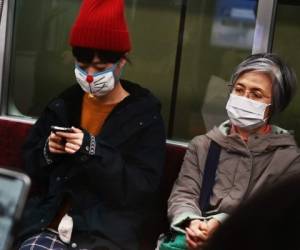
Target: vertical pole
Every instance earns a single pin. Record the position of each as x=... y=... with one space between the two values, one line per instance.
x=177 y=67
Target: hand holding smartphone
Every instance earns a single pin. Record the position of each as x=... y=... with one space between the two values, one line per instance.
x=55 y=129
x=14 y=188
x=65 y=140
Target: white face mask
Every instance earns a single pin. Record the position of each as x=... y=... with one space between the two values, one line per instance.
x=98 y=84
x=246 y=113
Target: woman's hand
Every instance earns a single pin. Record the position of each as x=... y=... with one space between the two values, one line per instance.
x=66 y=142
x=196 y=234
x=212 y=226
x=199 y=231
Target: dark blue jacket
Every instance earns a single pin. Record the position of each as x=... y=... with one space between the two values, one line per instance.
x=112 y=191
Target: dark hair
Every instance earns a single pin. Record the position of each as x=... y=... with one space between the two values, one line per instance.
x=267 y=221
x=283 y=77
x=86 y=55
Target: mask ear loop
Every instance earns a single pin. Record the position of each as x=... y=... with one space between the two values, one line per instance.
x=117 y=78
x=267 y=119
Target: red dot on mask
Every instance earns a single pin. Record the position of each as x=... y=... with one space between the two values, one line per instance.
x=89 y=79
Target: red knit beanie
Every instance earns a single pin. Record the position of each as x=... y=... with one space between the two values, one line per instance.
x=101 y=25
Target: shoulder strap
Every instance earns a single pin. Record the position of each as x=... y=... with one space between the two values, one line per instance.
x=209 y=175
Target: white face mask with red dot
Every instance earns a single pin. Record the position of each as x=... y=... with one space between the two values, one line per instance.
x=98 y=84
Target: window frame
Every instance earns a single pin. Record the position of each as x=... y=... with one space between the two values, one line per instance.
x=264 y=26
x=3 y=42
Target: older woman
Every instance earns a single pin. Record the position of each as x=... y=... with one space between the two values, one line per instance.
x=254 y=153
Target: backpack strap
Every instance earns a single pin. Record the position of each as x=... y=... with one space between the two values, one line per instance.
x=209 y=175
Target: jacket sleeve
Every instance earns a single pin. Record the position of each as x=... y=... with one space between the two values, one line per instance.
x=290 y=165
x=130 y=175
x=183 y=203
x=38 y=162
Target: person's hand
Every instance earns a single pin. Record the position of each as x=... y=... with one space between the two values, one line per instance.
x=56 y=144
x=73 y=140
x=196 y=234
x=212 y=226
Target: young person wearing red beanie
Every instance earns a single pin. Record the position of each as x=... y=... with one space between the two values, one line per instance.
x=100 y=178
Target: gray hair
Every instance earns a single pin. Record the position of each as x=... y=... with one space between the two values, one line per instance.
x=283 y=77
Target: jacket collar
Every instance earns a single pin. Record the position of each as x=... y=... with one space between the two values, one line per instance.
x=140 y=101
x=257 y=143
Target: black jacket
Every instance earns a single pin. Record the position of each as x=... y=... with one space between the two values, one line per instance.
x=113 y=189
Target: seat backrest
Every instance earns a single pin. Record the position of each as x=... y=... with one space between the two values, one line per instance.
x=174 y=159
x=160 y=224
x=12 y=136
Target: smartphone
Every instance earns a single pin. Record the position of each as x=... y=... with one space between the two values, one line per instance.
x=14 y=189
x=60 y=129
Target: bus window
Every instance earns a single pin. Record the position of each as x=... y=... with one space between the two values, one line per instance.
x=217 y=36
x=287 y=44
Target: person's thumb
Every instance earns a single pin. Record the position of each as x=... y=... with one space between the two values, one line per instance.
x=203 y=226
